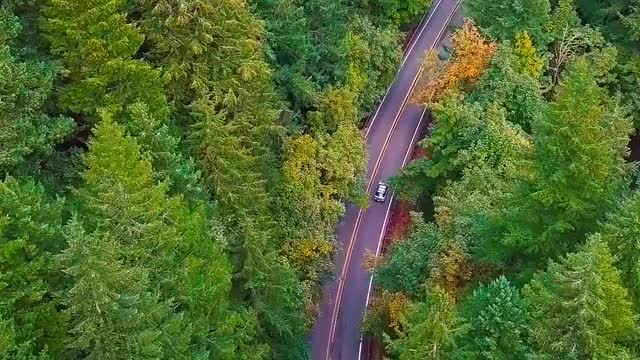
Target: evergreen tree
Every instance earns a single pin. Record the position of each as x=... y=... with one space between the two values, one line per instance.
x=27 y=133
x=115 y=314
x=620 y=231
x=328 y=25
x=175 y=249
x=579 y=307
x=431 y=329
x=97 y=46
x=579 y=165
x=30 y=235
x=212 y=58
x=497 y=323
x=291 y=49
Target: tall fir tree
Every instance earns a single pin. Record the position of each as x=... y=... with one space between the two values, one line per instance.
x=173 y=249
x=431 y=329
x=497 y=322
x=96 y=45
x=620 y=230
x=212 y=57
x=98 y=48
x=31 y=325
x=579 y=307
x=28 y=133
x=579 y=151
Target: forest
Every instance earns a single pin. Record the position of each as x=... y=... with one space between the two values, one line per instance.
x=524 y=231
x=173 y=171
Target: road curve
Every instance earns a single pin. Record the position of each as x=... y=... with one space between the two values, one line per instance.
x=390 y=136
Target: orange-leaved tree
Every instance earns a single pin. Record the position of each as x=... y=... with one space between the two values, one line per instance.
x=471 y=56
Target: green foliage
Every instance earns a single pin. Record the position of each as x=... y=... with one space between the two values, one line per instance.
x=218 y=257
x=503 y=19
x=431 y=330
x=505 y=84
x=291 y=50
x=620 y=231
x=115 y=314
x=27 y=132
x=373 y=57
x=407 y=264
x=30 y=235
x=579 y=307
x=398 y=12
x=497 y=323
x=97 y=46
x=619 y=18
x=465 y=133
x=579 y=165
x=564 y=18
x=521 y=169
x=173 y=254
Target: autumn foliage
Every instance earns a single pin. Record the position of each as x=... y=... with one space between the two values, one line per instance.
x=387 y=311
x=471 y=56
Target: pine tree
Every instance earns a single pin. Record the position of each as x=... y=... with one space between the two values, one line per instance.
x=498 y=323
x=212 y=58
x=27 y=133
x=30 y=235
x=290 y=41
x=328 y=25
x=115 y=314
x=431 y=329
x=175 y=248
x=579 y=307
x=579 y=146
x=97 y=46
x=620 y=230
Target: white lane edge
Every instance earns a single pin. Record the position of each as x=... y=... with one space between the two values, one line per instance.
x=404 y=59
x=385 y=224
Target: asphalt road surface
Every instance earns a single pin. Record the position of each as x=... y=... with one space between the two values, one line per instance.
x=391 y=135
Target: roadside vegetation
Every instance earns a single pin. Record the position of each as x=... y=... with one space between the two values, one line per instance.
x=530 y=250
x=172 y=171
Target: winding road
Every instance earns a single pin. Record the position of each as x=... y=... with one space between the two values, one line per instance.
x=391 y=136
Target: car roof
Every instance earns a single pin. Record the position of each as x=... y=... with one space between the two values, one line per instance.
x=382 y=186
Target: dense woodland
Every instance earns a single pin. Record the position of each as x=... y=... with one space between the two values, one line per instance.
x=172 y=171
x=525 y=239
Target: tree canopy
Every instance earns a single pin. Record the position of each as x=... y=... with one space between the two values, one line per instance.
x=172 y=172
x=525 y=201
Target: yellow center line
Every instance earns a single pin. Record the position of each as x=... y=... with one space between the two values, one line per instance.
x=345 y=267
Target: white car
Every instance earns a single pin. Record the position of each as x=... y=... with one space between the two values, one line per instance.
x=381 y=192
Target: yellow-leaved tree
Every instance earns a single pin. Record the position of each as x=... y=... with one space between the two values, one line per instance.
x=471 y=56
